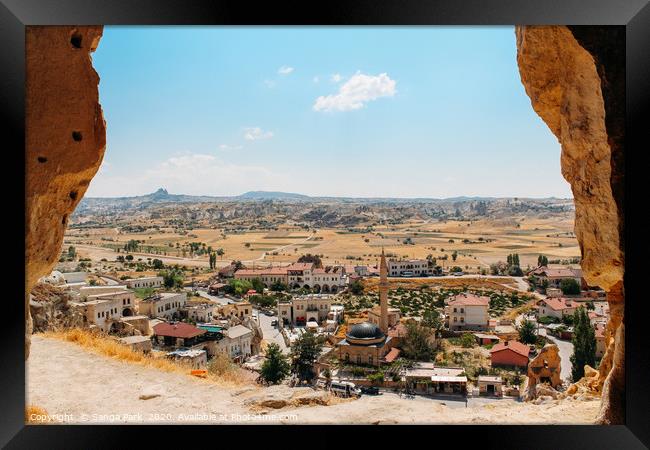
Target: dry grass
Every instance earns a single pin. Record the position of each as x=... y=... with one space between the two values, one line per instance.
x=223 y=374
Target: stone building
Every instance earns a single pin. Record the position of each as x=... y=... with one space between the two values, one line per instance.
x=165 y=304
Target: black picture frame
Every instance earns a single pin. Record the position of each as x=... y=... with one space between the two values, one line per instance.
x=633 y=15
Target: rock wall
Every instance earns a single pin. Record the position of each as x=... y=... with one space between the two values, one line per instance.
x=575 y=79
x=65 y=138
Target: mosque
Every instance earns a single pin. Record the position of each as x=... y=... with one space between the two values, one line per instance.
x=368 y=342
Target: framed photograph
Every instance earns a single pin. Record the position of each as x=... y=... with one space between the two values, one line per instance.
x=349 y=213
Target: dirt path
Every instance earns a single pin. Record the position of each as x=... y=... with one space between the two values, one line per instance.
x=63 y=378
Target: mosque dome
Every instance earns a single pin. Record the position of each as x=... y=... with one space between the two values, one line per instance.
x=365 y=330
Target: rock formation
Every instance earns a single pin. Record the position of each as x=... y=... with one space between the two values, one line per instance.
x=575 y=79
x=65 y=138
x=50 y=309
x=544 y=368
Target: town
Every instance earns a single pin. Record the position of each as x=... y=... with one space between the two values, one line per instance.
x=401 y=326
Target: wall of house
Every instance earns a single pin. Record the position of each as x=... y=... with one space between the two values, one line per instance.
x=508 y=358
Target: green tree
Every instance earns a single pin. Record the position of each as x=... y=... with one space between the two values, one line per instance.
x=542 y=260
x=72 y=252
x=172 y=278
x=238 y=287
x=258 y=285
x=467 y=340
x=129 y=257
x=584 y=344
x=157 y=264
x=279 y=286
x=454 y=255
x=570 y=286
x=309 y=258
x=527 y=332
x=417 y=342
x=304 y=353
x=356 y=287
x=220 y=252
x=276 y=366
x=432 y=319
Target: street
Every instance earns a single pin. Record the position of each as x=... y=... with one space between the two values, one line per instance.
x=271 y=333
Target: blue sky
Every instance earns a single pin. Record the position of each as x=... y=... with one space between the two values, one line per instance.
x=375 y=111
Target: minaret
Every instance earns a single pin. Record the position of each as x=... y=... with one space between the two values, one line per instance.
x=383 y=293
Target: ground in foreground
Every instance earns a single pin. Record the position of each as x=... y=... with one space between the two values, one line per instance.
x=77 y=386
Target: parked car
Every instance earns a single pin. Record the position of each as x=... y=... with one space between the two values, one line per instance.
x=370 y=390
x=274 y=323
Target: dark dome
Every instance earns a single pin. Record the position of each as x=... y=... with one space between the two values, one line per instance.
x=365 y=330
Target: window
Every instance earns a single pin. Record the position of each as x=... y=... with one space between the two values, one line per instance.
x=370 y=359
x=462 y=320
x=462 y=310
x=455 y=319
x=358 y=359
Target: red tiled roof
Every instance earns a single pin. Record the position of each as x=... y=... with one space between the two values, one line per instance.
x=562 y=272
x=559 y=303
x=300 y=266
x=392 y=354
x=177 y=330
x=515 y=346
x=469 y=300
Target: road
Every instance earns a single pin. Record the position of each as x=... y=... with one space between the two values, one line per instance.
x=271 y=333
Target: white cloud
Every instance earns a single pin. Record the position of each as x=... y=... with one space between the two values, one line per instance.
x=256 y=134
x=191 y=173
x=226 y=147
x=336 y=78
x=285 y=70
x=358 y=90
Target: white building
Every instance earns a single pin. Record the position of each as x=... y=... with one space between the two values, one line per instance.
x=468 y=311
x=236 y=342
x=144 y=282
x=105 y=310
x=165 y=304
x=409 y=267
x=200 y=313
x=305 y=308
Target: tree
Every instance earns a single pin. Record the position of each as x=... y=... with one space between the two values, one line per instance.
x=212 y=259
x=238 y=287
x=467 y=340
x=276 y=366
x=258 y=285
x=157 y=264
x=304 y=353
x=417 y=342
x=432 y=319
x=72 y=252
x=172 y=278
x=129 y=257
x=356 y=287
x=570 y=286
x=221 y=252
x=279 y=286
x=542 y=261
x=527 y=332
x=454 y=255
x=584 y=344
x=309 y=258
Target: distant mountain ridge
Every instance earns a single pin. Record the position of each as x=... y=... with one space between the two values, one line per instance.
x=162 y=195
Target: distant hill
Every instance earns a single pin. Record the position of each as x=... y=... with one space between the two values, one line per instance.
x=266 y=195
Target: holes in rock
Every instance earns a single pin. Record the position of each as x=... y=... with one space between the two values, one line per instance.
x=75 y=40
x=65 y=217
x=42 y=159
x=73 y=195
x=76 y=135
